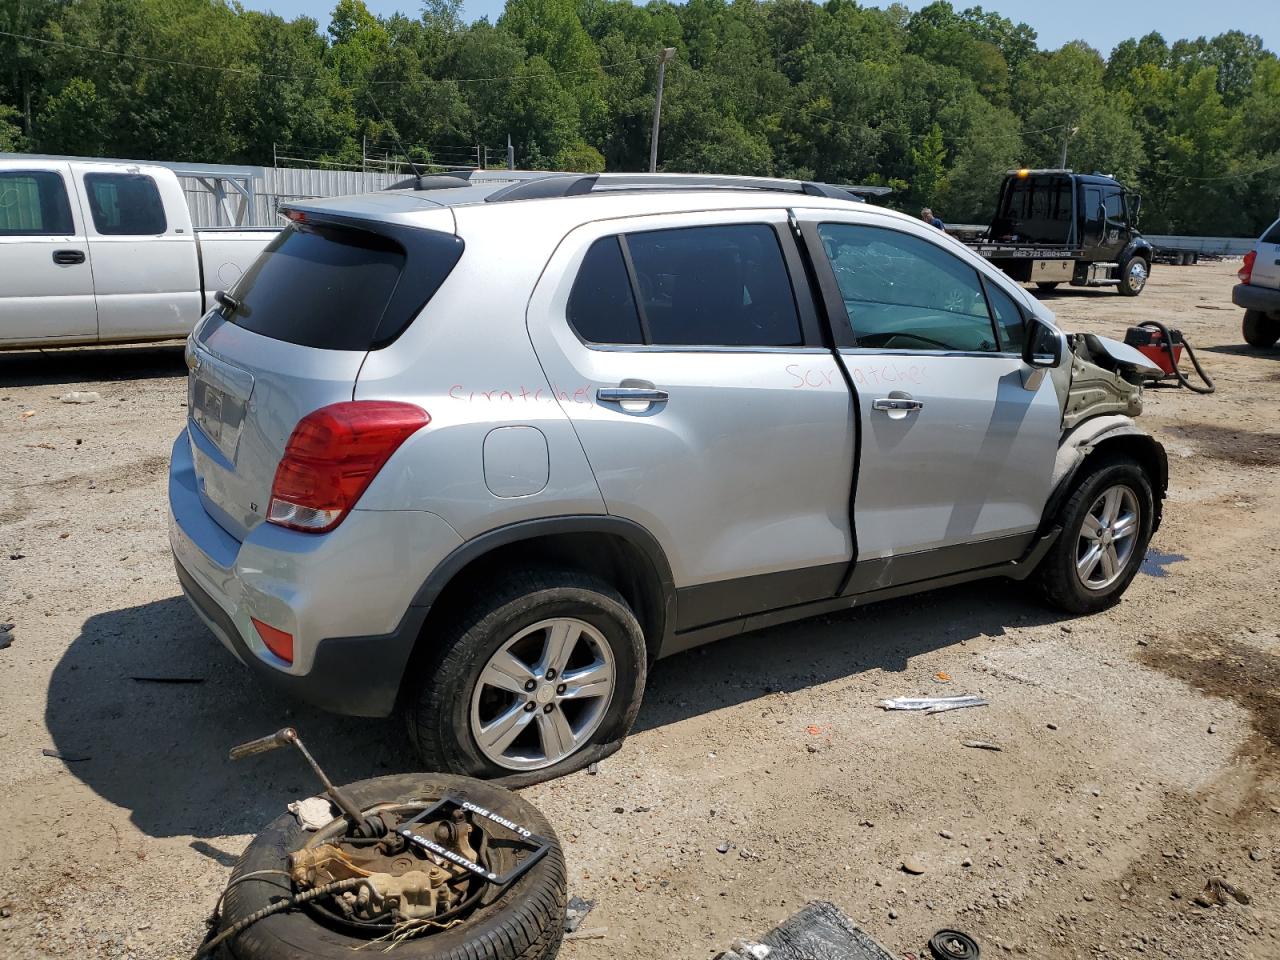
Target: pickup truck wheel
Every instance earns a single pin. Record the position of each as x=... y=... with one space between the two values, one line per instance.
x=539 y=678
x=1133 y=276
x=1046 y=285
x=1106 y=526
x=1260 y=330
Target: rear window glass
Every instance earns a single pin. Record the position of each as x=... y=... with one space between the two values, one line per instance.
x=1272 y=235
x=125 y=204
x=34 y=203
x=318 y=286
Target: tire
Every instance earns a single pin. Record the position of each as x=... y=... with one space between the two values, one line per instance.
x=1058 y=577
x=524 y=922
x=1133 y=276
x=1260 y=330
x=448 y=702
x=1047 y=285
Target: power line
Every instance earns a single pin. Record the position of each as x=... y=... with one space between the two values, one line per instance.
x=243 y=71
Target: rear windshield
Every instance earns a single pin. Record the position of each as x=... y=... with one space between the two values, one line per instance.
x=1035 y=210
x=338 y=288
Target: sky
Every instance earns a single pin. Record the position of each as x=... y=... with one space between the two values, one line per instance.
x=1094 y=21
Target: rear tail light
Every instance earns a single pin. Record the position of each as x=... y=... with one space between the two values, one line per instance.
x=277 y=641
x=333 y=456
x=1245 y=273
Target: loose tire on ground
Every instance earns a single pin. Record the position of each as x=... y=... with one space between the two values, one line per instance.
x=524 y=921
x=1134 y=273
x=1057 y=577
x=1260 y=330
x=439 y=693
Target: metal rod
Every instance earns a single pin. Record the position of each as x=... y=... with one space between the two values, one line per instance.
x=668 y=53
x=288 y=736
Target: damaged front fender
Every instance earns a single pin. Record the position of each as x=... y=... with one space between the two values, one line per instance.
x=1113 y=435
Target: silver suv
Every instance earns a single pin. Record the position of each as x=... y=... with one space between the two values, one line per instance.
x=484 y=453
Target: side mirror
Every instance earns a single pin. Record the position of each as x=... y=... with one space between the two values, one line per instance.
x=1042 y=345
x=1135 y=206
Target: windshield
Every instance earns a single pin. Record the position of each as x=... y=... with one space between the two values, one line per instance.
x=1034 y=210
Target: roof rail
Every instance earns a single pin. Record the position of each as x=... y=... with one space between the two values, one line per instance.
x=579 y=184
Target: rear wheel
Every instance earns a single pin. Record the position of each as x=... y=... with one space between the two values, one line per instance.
x=1133 y=276
x=533 y=681
x=1047 y=285
x=1260 y=330
x=1106 y=526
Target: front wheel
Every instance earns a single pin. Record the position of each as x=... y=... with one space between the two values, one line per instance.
x=1133 y=276
x=1260 y=330
x=1106 y=526
x=536 y=679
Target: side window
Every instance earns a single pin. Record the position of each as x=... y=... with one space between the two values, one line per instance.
x=1114 y=203
x=1272 y=235
x=34 y=203
x=125 y=204
x=1092 y=201
x=719 y=286
x=904 y=293
x=601 y=306
x=1009 y=320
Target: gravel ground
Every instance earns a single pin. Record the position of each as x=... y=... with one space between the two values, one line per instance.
x=1139 y=746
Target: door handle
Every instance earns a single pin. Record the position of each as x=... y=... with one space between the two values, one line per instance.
x=68 y=256
x=622 y=394
x=896 y=403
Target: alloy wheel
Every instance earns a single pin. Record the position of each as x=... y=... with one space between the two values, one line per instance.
x=542 y=694
x=1108 y=535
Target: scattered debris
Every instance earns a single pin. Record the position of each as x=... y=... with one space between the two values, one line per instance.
x=168 y=679
x=934 y=704
x=724 y=847
x=312 y=813
x=983 y=745
x=6 y=635
x=593 y=768
x=945 y=834
x=942 y=677
x=16 y=556
x=818 y=930
x=81 y=396
x=953 y=945
x=1217 y=891
x=594 y=933
x=1052 y=726
x=65 y=757
x=27 y=414
x=914 y=865
x=576 y=912
x=1256 y=855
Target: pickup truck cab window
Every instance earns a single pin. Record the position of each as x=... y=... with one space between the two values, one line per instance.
x=904 y=293
x=34 y=203
x=125 y=204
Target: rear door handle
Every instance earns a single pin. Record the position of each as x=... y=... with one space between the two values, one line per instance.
x=895 y=403
x=618 y=394
x=68 y=256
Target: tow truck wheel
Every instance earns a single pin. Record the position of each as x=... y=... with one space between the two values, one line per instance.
x=1047 y=285
x=1133 y=276
x=1106 y=526
x=1260 y=330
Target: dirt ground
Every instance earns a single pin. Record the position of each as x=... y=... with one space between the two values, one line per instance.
x=1139 y=751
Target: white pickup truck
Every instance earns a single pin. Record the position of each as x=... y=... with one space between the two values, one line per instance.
x=105 y=253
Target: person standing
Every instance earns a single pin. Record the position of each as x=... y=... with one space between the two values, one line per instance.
x=927 y=216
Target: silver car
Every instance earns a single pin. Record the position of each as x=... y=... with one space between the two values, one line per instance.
x=484 y=453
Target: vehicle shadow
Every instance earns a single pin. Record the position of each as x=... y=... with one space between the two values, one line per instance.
x=159 y=749
x=882 y=636
x=1242 y=350
x=31 y=368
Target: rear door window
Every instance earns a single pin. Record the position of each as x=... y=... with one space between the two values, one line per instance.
x=125 y=204
x=33 y=203
x=602 y=308
x=715 y=286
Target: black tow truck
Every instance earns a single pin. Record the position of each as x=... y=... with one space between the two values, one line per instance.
x=1058 y=226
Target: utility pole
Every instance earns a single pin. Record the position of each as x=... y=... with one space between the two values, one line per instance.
x=1071 y=132
x=511 y=154
x=668 y=54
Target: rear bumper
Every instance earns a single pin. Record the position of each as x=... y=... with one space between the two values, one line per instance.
x=1253 y=297
x=347 y=597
